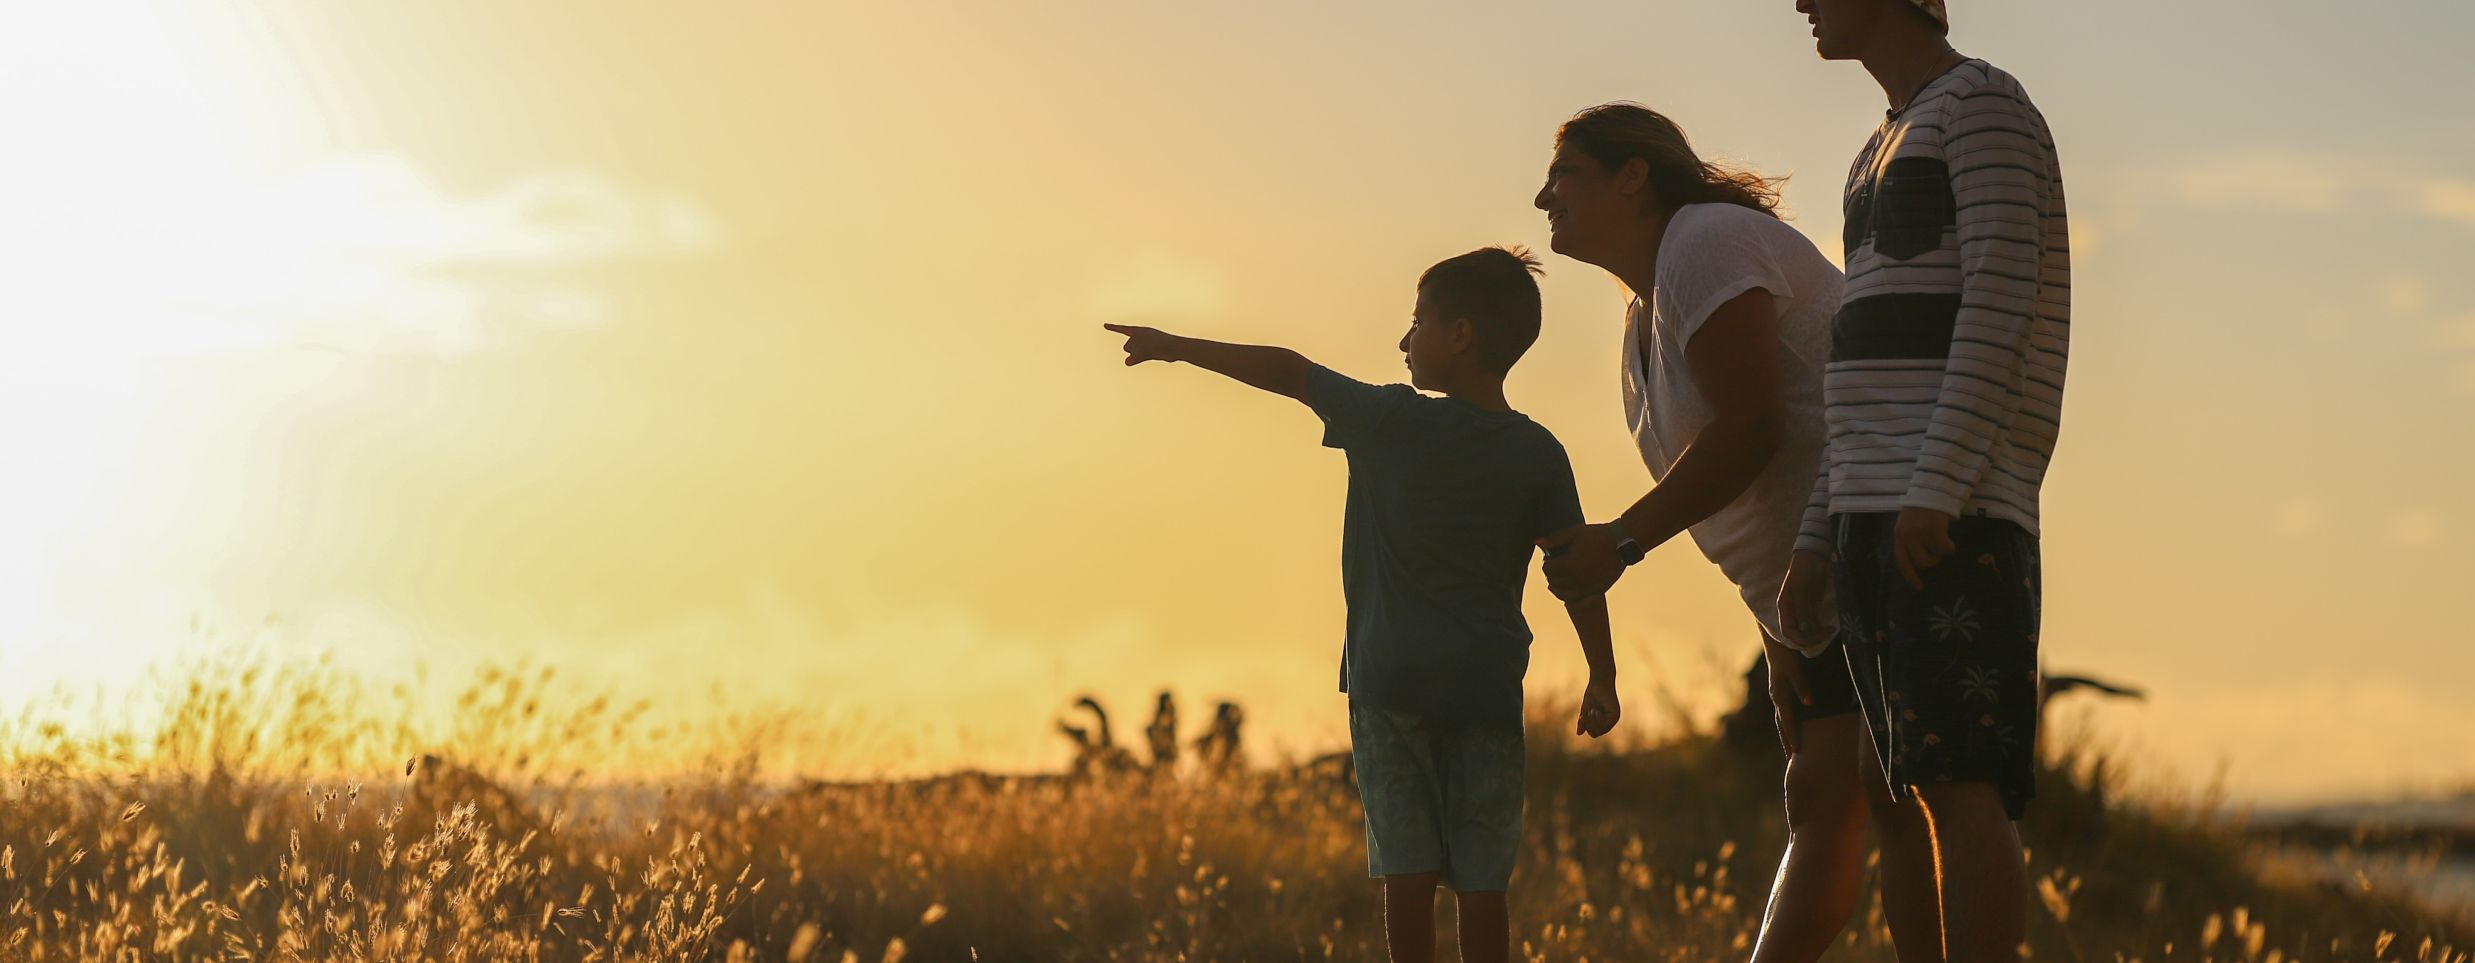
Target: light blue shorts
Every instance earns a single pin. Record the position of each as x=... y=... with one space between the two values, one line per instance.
x=1440 y=798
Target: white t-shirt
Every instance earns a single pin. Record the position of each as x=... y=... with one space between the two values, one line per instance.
x=1711 y=254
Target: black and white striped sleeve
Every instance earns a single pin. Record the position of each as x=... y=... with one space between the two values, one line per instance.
x=2001 y=177
x=1813 y=534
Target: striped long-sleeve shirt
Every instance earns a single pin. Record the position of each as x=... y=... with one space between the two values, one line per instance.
x=1944 y=387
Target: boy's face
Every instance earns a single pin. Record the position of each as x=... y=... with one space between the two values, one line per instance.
x=1586 y=204
x=1843 y=29
x=1434 y=345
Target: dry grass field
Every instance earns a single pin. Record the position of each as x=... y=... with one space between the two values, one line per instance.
x=300 y=814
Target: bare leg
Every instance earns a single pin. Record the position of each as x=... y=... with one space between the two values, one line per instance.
x=1911 y=896
x=1984 y=879
x=1824 y=866
x=1486 y=930
x=1409 y=917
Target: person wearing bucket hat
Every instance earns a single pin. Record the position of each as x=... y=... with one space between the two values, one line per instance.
x=1943 y=401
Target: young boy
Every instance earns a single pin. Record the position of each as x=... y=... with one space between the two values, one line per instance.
x=1447 y=497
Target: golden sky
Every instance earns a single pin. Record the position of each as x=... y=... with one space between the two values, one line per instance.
x=755 y=348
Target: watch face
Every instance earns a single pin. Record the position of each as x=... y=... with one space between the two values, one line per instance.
x=1630 y=551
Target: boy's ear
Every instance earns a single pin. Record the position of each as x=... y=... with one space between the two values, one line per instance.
x=1464 y=335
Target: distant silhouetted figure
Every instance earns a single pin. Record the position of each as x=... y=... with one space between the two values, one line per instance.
x=1219 y=748
x=1096 y=752
x=1163 y=733
x=2058 y=684
x=440 y=786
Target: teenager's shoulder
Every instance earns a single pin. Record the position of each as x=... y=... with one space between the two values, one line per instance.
x=1975 y=81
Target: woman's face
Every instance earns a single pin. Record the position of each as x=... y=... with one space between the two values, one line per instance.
x=1587 y=205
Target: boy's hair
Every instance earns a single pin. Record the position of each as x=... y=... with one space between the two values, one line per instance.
x=1496 y=288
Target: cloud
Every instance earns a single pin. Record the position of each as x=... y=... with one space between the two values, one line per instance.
x=2303 y=182
x=2449 y=199
x=358 y=253
x=2264 y=180
x=2404 y=295
x=2458 y=339
x=2286 y=181
x=2414 y=526
x=2458 y=335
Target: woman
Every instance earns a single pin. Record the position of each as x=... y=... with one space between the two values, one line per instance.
x=1724 y=343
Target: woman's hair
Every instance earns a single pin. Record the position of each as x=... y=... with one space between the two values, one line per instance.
x=1615 y=133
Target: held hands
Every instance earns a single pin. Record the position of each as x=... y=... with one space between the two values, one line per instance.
x=1146 y=344
x=1581 y=561
x=1599 y=710
x=1921 y=539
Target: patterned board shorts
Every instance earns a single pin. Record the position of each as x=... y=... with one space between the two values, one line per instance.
x=1947 y=675
x=1439 y=797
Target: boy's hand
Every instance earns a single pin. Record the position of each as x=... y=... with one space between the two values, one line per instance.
x=1922 y=539
x=1146 y=344
x=1599 y=710
x=1801 y=598
x=1581 y=561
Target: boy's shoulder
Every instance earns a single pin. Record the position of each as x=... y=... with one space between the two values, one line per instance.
x=1541 y=442
x=1452 y=421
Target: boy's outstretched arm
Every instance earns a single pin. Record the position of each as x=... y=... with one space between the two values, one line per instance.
x=1277 y=370
x=1599 y=709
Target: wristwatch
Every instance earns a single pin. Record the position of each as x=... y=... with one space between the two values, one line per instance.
x=1628 y=551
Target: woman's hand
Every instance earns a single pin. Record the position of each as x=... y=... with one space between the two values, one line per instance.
x=1803 y=598
x=1788 y=692
x=1581 y=561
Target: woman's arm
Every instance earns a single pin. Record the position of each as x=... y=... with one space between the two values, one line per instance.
x=1734 y=357
x=1735 y=363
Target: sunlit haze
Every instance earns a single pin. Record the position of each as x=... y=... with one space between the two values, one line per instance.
x=751 y=353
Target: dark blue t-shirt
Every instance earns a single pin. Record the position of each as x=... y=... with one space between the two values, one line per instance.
x=1446 y=503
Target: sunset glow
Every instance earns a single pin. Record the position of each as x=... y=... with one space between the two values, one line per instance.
x=754 y=351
